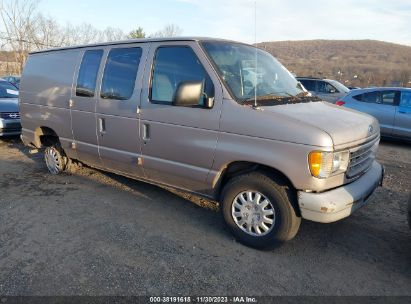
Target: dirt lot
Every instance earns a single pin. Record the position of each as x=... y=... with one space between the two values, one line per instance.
x=94 y=233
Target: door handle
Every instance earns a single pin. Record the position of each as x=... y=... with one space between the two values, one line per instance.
x=402 y=112
x=102 y=126
x=146 y=132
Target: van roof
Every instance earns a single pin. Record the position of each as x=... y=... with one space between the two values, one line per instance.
x=130 y=41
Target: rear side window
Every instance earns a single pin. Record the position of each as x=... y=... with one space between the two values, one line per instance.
x=388 y=97
x=120 y=73
x=309 y=85
x=358 y=97
x=87 y=77
x=174 y=65
x=383 y=97
x=372 y=97
x=405 y=99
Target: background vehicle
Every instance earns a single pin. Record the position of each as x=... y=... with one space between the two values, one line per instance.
x=326 y=89
x=9 y=110
x=391 y=106
x=14 y=80
x=181 y=112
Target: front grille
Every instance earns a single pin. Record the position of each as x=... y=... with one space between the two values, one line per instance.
x=11 y=115
x=361 y=158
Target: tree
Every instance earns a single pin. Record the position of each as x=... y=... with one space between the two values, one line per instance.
x=137 y=33
x=170 y=30
x=112 y=34
x=19 y=20
x=48 y=33
x=81 y=34
x=404 y=77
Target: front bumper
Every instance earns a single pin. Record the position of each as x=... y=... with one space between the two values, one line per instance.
x=339 y=203
x=9 y=127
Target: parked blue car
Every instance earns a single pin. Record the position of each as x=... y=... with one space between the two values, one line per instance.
x=391 y=106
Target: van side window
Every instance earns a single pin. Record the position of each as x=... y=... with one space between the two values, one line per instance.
x=87 y=77
x=120 y=73
x=172 y=66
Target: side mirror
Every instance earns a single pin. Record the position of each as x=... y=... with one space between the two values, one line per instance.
x=188 y=94
x=209 y=102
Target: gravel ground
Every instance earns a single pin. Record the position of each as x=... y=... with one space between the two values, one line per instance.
x=95 y=233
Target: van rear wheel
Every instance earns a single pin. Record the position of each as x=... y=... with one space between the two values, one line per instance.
x=55 y=159
x=259 y=211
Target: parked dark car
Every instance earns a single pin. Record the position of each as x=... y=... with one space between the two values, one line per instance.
x=327 y=89
x=14 y=80
x=391 y=106
x=9 y=110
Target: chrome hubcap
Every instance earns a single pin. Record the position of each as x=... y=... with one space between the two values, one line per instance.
x=52 y=161
x=253 y=213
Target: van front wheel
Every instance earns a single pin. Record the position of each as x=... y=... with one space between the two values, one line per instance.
x=55 y=159
x=259 y=211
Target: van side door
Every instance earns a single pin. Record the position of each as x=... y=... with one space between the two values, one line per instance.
x=117 y=111
x=402 y=126
x=179 y=142
x=83 y=107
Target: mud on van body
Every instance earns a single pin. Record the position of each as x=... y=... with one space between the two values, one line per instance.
x=203 y=116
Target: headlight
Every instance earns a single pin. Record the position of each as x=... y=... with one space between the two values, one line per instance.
x=326 y=164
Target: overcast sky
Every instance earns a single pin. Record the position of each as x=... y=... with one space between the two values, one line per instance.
x=388 y=20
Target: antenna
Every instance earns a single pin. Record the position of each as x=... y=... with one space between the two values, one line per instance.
x=255 y=62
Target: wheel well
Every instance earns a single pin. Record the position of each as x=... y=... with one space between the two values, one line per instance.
x=45 y=137
x=239 y=168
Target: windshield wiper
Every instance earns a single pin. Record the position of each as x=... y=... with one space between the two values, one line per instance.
x=273 y=95
x=273 y=99
x=302 y=94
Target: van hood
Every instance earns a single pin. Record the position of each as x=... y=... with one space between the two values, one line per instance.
x=9 y=105
x=342 y=124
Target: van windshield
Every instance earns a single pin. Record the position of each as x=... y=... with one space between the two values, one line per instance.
x=249 y=74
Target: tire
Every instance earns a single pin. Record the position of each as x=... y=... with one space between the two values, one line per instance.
x=276 y=197
x=56 y=160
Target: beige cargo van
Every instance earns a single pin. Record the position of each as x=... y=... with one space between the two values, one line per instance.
x=217 y=118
